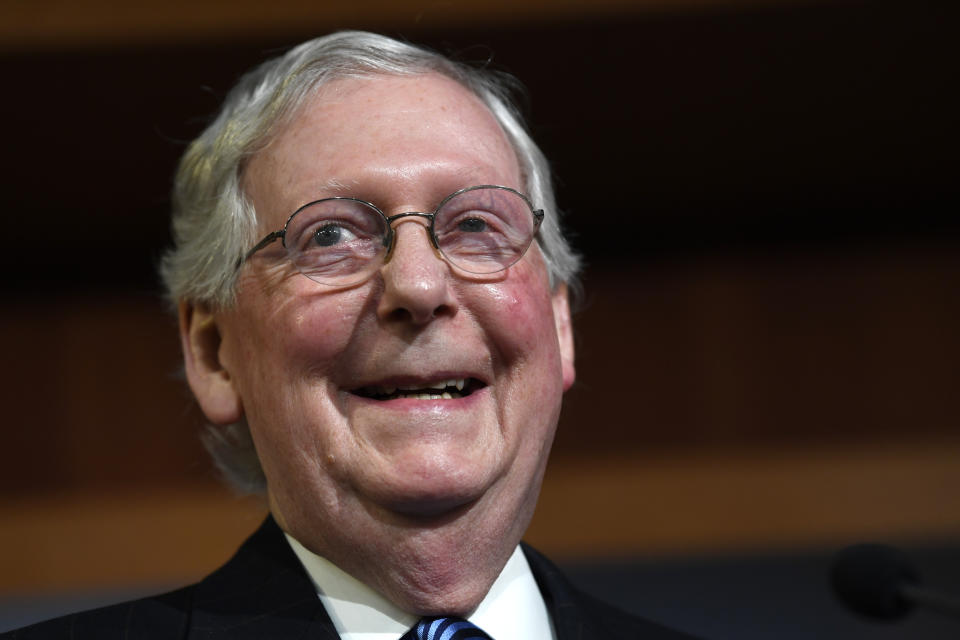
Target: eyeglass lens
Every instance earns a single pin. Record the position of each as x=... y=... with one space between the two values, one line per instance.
x=342 y=240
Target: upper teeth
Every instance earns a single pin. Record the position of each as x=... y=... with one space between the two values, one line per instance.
x=443 y=384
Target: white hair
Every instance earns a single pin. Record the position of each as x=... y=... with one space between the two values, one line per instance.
x=214 y=223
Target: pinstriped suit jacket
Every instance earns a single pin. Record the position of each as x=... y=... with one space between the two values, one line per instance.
x=264 y=593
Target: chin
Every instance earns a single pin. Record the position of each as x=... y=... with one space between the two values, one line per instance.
x=430 y=507
x=432 y=495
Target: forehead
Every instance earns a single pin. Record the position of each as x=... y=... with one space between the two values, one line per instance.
x=382 y=137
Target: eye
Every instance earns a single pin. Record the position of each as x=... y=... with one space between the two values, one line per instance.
x=472 y=225
x=331 y=234
x=484 y=229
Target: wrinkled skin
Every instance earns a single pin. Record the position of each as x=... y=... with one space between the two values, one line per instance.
x=424 y=500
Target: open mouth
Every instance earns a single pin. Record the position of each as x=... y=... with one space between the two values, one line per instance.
x=439 y=390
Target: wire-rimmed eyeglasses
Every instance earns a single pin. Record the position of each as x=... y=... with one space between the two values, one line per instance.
x=342 y=241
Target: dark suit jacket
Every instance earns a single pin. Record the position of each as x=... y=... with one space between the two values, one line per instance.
x=264 y=592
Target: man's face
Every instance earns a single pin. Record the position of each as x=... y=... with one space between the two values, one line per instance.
x=349 y=473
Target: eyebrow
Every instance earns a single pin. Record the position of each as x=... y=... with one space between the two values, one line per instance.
x=357 y=187
x=337 y=186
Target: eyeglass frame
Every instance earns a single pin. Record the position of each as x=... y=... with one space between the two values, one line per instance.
x=390 y=235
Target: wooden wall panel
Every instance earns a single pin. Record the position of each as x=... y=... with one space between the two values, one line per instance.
x=789 y=347
x=94 y=399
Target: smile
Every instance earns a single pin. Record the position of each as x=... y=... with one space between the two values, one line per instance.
x=451 y=389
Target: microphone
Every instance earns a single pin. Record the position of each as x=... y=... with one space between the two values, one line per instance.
x=880 y=582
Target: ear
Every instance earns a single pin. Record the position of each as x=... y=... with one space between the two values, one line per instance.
x=208 y=379
x=561 y=316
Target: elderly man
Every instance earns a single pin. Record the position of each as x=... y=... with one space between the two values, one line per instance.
x=372 y=293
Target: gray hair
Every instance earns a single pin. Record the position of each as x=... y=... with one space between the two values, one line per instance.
x=214 y=223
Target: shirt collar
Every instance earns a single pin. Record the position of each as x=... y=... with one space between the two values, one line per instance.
x=513 y=609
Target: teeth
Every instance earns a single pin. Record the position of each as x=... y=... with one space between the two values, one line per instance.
x=453 y=382
x=439 y=390
x=446 y=395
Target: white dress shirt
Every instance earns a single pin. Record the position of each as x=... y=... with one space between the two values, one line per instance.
x=513 y=609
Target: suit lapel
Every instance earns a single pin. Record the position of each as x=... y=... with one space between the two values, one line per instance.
x=565 y=611
x=262 y=592
x=578 y=616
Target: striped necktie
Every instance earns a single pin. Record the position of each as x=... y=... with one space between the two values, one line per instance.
x=445 y=628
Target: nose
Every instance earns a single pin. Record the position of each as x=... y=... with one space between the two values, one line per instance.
x=416 y=280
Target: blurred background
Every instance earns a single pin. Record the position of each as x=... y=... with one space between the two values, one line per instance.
x=768 y=351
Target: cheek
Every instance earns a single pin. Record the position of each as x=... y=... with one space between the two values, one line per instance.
x=526 y=338
x=522 y=312
x=279 y=352
x=521 y=333
x=317 y=333
x=310 y=335
x=288 y=354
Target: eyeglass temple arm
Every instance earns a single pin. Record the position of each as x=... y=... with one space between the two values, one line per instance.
x=270 y=237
